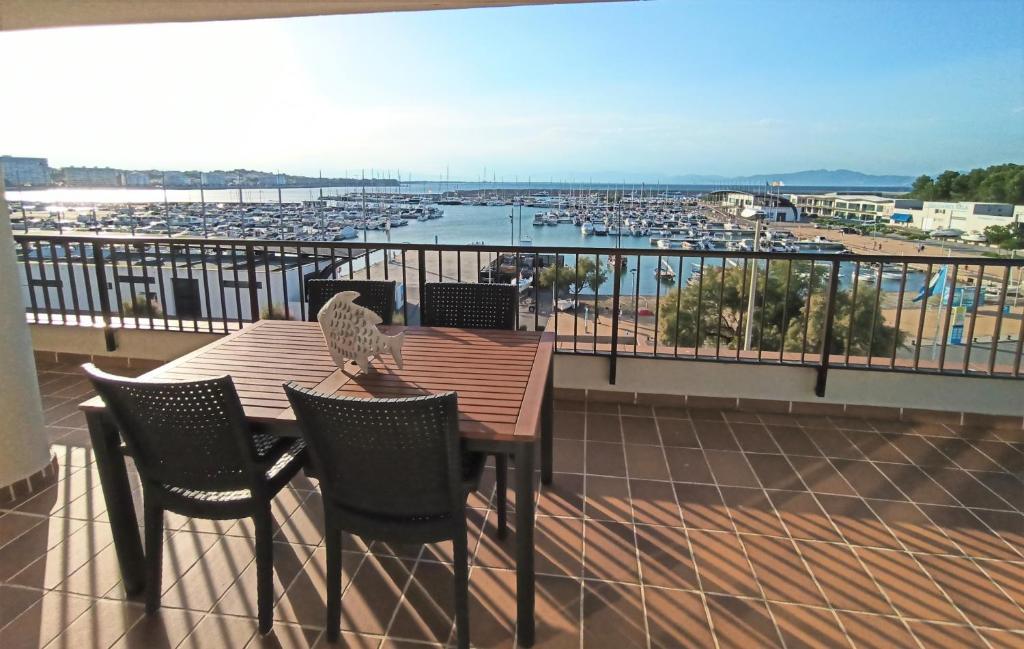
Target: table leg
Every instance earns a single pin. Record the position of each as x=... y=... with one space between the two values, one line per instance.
x=524 y=453
x=547 y=429
x=117 y=494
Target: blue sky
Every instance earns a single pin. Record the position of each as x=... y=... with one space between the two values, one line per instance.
x=604 y=91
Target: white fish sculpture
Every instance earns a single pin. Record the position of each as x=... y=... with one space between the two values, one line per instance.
x=352 y=334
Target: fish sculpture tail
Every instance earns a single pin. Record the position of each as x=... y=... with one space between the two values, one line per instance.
x=395 y=347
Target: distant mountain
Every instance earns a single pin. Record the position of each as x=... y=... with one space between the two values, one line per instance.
x=811 y=178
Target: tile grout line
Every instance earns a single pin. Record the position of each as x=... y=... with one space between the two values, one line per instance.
x=789 y=534
x=739 y=539
x=632 y=527
x=852 y=547
x=686 y=534
x=968 y=556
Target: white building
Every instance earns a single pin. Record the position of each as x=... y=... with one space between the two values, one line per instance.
x=966 y=216
x=19 y=172
x=860 y=207
x=91 y=177
x=770 y=207
x=175 y=179
x=136 y=179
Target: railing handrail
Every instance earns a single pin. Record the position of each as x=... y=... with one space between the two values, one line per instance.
x=512 y=249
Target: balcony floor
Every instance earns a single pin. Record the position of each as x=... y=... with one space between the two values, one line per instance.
x=664 y=527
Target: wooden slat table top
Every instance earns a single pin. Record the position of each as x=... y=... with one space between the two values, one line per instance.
x=499 y=375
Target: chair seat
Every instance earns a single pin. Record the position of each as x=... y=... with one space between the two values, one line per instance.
x=282 y=458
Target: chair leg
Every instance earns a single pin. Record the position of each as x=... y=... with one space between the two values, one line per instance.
x=501 y=495
x=264 y=569
x=154 y=524
x=461 y=559
x=332 y=537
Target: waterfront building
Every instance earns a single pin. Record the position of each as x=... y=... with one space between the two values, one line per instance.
x=21 y=172
x=966 y=216
x=175 y=179
x=860 y=207
x=91 y=177
x=217 y=178
x=136 y=179
x=770 y=207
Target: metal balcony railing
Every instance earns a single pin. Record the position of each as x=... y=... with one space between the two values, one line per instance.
x=951 y=316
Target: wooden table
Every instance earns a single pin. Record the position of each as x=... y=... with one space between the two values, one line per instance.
x=503 y=379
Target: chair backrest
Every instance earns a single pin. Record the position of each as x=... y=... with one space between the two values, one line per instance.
x=470 y=306
x=376 y=295
x=383 y=457
x=182 y=434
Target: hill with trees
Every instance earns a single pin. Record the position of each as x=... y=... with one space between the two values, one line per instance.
x=996 y=184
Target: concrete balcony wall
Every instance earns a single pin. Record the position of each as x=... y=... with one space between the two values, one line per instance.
x=763 y=387
x=788 y=384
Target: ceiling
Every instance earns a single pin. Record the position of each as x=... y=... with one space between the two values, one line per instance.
x=33 y=14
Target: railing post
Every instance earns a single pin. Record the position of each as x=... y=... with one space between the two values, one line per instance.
x=101 y=286
x=254 y=296
x=617 y=277
x=421 y=256
x=826 y=338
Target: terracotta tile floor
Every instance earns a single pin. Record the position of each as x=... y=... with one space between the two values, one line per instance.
x=663 y=528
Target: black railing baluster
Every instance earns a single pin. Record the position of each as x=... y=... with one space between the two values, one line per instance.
x=784 y=328
x=103 y=294
x=745 y=307
x=807 y=312
x=948 y=317
x=679 y=300
x=997 y=329
x=268 y=284
x=238 y=288
x=45 y=283
x=116 y=279
x=597 y=291
x=700 y=309
x=421 y=261
x=284 y=284
x=535 y=288
x=636 y=305
x=926 y=294
x=974 y=316
x=58 y=285
x=576 y=304
x=72 y=282
x=89 y=301
x=764 y=309
x=721 y=310
x=405 y=290
x=826 y=337
x=250 y=273
x=616 y=292
x=874 y=314
x=899 y=317
x=150 y=314
x=853 y=303
x=160 y=284
x=220 y=286
x=29 y=279
x=172 y=254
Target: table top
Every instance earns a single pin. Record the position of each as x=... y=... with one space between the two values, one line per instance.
x=499 y=376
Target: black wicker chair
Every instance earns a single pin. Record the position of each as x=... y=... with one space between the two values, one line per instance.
x=390 y=470
x=196 y=456
x=469 y=306
x=377 y=296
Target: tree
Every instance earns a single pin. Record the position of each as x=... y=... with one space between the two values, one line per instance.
x=996 y=184
x=777 y=318
x=590 y=275
x=1007 y=237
